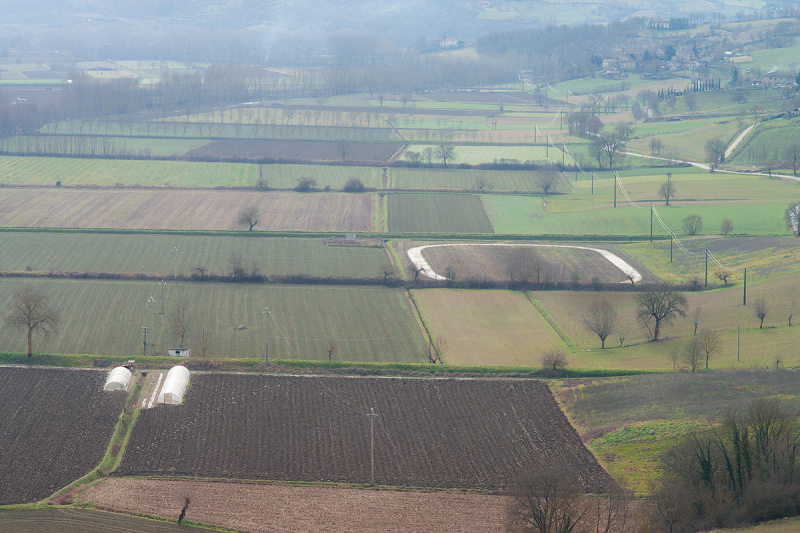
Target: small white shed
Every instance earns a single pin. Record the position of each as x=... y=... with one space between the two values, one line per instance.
x=180 y=352
x=118 y=379
x=174 y=386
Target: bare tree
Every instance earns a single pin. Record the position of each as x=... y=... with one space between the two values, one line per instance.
x=442 y=346
x=709 y=344
x=661 y=305
x=546 y=501
x=656 y=145
x=445 y=152
x=674 y=354
x=546 y=179
x=331 y=346
x=30 y=311
x=249 y=217
x=427 y=155
x=236 y=263
x=343 y=148
x=693 y=353
x=723 y=275
x=726 y=228
x=692 y=224
x=761 y=309
x=715 y=151
x=697 y=317
x=523 y=263
x=554 y=361
x=792 y=155
x=601 y=319
x=179 y=320
x=415 y=270
x=667 y=191
x=206 y=344
x=612 y=146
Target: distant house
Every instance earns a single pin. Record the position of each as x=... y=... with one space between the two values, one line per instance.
x=671 y=24
x=180 y=352
x=449 y=42
x=619 y=63
x=777 y=79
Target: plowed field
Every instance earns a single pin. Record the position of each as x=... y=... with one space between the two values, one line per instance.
x=184 y=210
x=54 y=428
x=428 y=433
x=270 y=508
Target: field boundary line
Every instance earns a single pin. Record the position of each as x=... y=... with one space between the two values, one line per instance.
x=395 y=261
x=554 y=325
x=420 y=319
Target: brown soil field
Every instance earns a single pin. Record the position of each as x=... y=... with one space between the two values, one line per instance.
x=294 y=150
x=207 y=210
x=69 y=520
x=450 y=433
x=491 y=262
x=272 y=508
x=55 y=426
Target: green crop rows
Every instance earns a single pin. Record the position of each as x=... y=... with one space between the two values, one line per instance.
x=437 y=213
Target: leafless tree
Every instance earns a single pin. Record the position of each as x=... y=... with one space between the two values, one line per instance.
x=601 y=319
x=236 y=263
x=546 y=179
x=427 y=155
x=612 y=146
x=554 y=361
x=693 y=353
x=546 y=501
x=661 y=305
x=693 y=224
x=331 y=346
x=792 y=155
x=249 y=217
x=667 y=191
x=674 y=354
x=723 y=275
x=697 y=317
x=206 y=344
x=343 y=148
x=622 y=333
x=522 y=264
x=761 y=309
x=30 y=310
x=715 y=151
x=179 y=320
x=442 y=346
x=656 y=145
x=445 y=152
x=726 y=228
x=415 y=270
x=709 y=344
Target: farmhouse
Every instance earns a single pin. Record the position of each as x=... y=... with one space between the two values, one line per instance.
x=777 y=79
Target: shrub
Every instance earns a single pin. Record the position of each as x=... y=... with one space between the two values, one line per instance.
x=353 y=185
x=554 y=361
x=305 y=184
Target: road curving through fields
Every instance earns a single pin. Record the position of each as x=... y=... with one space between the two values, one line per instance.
x=416 y=257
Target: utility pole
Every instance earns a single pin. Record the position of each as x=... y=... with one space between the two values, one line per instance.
x=371 y=415
x=744 y=296
x=175 y=262
x=651 y=222
x=547 y=146
x=435 y=260
x=266 y=337
x=615 y=188
x=162 y=283
x=144 y=339
x=738 y=328
x=706 y=267
x=150 y=304
x=592 y=182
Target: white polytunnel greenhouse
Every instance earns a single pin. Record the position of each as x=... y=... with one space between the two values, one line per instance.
x=118 y=379
x=174 y=386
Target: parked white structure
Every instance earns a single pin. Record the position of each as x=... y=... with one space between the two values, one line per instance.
x=174 y=386
x=179 y=352
x=118 y=379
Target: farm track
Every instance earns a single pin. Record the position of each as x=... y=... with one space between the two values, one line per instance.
x=430 y=433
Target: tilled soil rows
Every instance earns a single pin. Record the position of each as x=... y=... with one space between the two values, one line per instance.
x=55 y=426
x=428 y=432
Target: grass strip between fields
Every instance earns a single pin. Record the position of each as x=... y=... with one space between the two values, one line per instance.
x=551 y=321
x=284 y=366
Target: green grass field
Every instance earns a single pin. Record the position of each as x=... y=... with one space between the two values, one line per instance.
x=689 y=144
x=152 y=254
x=475 y=155
x=111 y=172
x=767 y=141
x=488 y=180
x=487 y=327
x=437 y=213
x=107 y=318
